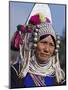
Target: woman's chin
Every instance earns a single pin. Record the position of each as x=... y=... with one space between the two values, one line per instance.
x=43 y=60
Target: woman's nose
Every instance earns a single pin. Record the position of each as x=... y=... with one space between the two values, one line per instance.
x=46 y=49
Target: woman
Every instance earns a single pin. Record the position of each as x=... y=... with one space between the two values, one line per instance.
x=41 y=67
x=38 y=63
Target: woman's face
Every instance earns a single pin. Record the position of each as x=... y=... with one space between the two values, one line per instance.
x=45 y=49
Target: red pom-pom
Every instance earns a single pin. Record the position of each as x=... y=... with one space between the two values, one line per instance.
x=35 y=20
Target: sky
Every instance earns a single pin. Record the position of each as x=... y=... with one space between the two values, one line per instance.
x=58 y=17
x=20 y=11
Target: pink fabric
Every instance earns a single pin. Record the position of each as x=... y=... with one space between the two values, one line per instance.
x=47 y=20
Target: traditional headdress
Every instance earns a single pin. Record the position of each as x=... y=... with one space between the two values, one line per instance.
x=39 y=24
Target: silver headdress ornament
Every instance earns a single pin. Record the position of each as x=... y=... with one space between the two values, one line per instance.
x=60 y=75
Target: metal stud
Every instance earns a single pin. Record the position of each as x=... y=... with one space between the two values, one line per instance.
x=56 y=50
x=35 y=45
x=35 y=39
x=57 y=46
x=58 y=41
x=35 y=34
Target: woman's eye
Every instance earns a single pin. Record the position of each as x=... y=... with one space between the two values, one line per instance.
x=51 y=44
x=44 y=42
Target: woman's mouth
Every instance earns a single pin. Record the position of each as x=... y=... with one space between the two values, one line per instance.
x=44 y=55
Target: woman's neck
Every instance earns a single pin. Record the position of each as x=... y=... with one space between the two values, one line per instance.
x=41 y=63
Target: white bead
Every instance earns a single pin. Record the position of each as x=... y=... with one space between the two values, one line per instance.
x=35 y=39
x=58 y=42
x=36 y=30
x=56 y=50
x=35 y=45
x=57 y=46
x=35 y=34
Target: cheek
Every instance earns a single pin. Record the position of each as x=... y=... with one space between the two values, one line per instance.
x=40 y=47
x=52 y=50
x=38 y=50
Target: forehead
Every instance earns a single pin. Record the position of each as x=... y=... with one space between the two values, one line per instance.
x=48 y=39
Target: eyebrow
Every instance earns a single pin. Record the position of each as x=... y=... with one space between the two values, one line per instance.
x=46 y=42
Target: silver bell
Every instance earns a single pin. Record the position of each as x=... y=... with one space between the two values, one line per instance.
x=56 y=50
x=57 y=46
x=35 y=45
x=35 y=39
x=58 y=41
x=35 y=34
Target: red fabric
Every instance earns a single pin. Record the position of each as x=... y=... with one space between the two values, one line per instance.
x=16 y=40
x=23 y=27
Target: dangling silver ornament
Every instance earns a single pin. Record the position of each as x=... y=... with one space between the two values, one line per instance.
x=58 y=41
x=57 y=46
x=56 y=50
x=35 y=34
x=35 y=45
x=35 y=39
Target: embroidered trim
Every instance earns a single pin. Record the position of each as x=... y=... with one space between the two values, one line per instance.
x=38 y=80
